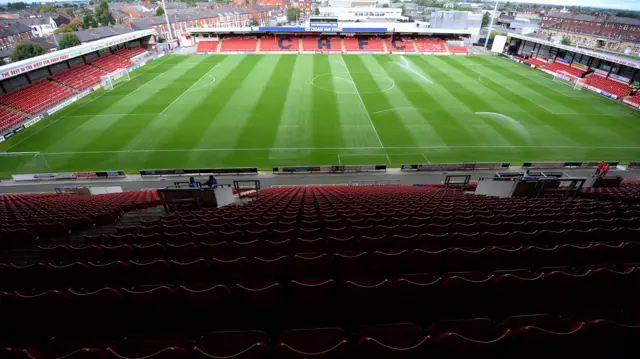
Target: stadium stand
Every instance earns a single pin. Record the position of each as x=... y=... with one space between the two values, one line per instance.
x=326 y=44
x=535 y=62
x=79 y=77
x=111 y=63
x=207 y=46
x=130 y=53
x=280 y=43
x=31 y=216
x=458 y=50
x=400 y=44
x=635 y=99
x=239 y=44
x=366 y=272
x=36 y=97
x=10 y=118
x=608 y=85
x=558 y=66
x=430 y=45
x=363 y=44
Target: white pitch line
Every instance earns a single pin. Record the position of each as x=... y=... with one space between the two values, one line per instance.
x=362 y=102
x=388 y=159
x=338 y=149
x=425 y=158
x=339 y=160
x=187 y=90
x=116 y=114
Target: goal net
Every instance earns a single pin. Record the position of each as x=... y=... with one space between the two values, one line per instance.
x=566 y=78
x=108 y=81
x=22 y=162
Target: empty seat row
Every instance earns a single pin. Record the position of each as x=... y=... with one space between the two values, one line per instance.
x=357 y=256
x=518 y=336
x=363 y=299
x=151 y=266
x=433 y=236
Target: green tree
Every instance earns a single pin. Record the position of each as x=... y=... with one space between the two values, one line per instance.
x=159 y=11
x=69 y=12
x=88 y=21
x=26 y=50
x=161 y=39
x=385 y=5
x=316 y=11
x=566 y=41
x=47 y=8
x=486 y=19
x=103 y=15
x=16 y=5
x=63 y=28
x=68 y=40
x=293 y=13
x=76 y=25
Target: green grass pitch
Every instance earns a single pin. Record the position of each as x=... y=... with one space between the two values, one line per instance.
x=269 y=110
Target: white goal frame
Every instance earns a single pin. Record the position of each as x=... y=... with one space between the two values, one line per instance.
x=566 y=78
x=109 y=81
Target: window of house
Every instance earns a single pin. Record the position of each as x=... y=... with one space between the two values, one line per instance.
x=626 y=27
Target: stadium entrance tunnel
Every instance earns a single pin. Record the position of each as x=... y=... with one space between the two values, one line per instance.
x=346 y=82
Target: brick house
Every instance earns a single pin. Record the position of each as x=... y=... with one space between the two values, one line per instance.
x=10 y=33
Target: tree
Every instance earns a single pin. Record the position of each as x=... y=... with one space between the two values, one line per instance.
x=103 y=15
x=76 y=25
x=63 y=28
x=293 y=13
x=16 y=5
x=316 y=11
x=159 y=11
x=486 y=19
x=385 y=5
x=566 y=41
x=69 y=12
x=88 y=21
x=68 y=40
x=47 y=8
x=161 y=39
x=26 y=50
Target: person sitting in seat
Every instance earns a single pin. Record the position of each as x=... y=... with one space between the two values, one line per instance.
x=193 y=183
x=211 y=182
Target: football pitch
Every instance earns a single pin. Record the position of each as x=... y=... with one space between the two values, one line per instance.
x=275 y=110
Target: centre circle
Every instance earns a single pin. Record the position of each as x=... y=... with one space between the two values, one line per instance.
x=325 y=82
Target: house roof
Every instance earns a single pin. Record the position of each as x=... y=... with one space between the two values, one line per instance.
x=624 y=20
x=29 y=21
x=40 y=41
x=12 y=29
x=99 y=33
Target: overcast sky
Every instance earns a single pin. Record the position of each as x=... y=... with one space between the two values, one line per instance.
x=609 y=4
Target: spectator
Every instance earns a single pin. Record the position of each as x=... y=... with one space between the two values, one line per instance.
x=604 y=171
x=212 y=181
x=193 y=183
x=600 y=167
x=526 y=174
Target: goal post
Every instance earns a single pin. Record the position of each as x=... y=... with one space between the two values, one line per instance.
x=566 y=78
x=109 y=81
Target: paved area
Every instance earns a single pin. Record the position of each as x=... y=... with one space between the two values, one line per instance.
x=267 y=179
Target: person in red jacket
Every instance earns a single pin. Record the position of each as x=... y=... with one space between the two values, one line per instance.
x=604 y=170
x=599 y=168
